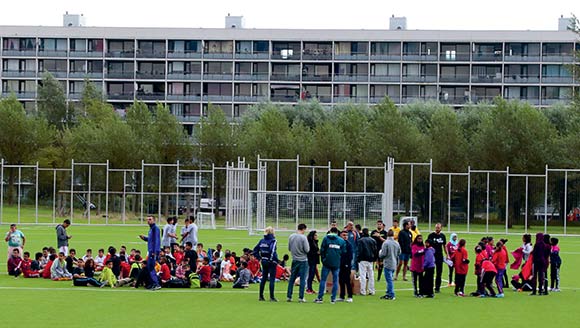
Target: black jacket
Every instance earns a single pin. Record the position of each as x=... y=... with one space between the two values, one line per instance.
x=366 y=249
x=405 y=239
x=313 y=253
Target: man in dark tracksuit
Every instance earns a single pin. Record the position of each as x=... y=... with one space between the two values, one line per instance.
x=265 y=251
x=405 y=238
x=439 y=242
x=344 y=273
x=332 y=249
x=153 y=247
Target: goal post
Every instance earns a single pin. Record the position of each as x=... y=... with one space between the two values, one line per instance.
x=284 y=210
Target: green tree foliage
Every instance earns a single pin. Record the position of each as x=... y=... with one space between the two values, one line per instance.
x=52 y=103
x=215 y=138
x=448 y=145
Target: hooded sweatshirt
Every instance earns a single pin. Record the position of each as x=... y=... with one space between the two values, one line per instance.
x=539 y=252
x=331 y=250
x=390 y=251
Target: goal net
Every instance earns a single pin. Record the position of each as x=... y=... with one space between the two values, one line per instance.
x=285 y=210
x=205 y=220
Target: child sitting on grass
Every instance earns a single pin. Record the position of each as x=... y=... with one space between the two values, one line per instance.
x=244 y=277
x=58 y=271
x=100 y=260
x=108 y=278
x=79 y=277
x=15 y=264
x=27 y=267
x=46 y=271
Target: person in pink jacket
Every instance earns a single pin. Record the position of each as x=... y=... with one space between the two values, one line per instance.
x=417 y=254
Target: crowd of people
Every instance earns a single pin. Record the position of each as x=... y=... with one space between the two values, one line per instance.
x=349 y=256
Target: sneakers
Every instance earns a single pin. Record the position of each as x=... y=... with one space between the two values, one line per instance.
x=332 y=302
x=261 y=299
x=301 y=300
x=556 y=290
x=340 y=299
x=460 y=294
x=372 y=293
x=499 y=295
x=273 y=299
x=318 y=301
x=349 y=300
x=156 y=287
x=289 y=300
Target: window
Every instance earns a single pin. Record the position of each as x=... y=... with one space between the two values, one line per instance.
x=52 y=45
x=79 y=45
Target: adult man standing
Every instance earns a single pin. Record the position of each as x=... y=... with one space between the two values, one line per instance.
x=153 y=247
x=405 y=238
x=389 y=253
x=438 y=242
x=379 y=235
x=62 y=238
x=332 y=248
x=299 y=248
x=366 y=256
x=353 y=237
x=15 y=239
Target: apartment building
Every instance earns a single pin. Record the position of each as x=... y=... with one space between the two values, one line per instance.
x=235 y=67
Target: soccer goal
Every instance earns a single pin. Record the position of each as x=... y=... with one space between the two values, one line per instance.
x=205 y=220
x=284 y=210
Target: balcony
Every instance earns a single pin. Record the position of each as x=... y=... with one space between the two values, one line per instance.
x=75 y=95
x=454 y=57
x=385 y=78
x=420 y=78
x=521 y=79
x=521 y=58
x=322 y=77
x=186 y=97
x=453 y=100
x=217 y=98
x=19 y=53
x=217 y=77
x=481 y=99
x=121 y=54
x=19 y=74
x=184 y=76
x=558 y=58
x=151 y=96
x=120 y=96
x=251 y=77
x=355 y=56
x=351 y=78
x=553 y=101
x=52 y=53
x=283 y=98
x=316 y=56
x=285 y=77
x=258 y=55
x=486 y=79
x=144 y=75
x=218 y=55
x=531 y=101
x=120 y=75
x=150 y=54
x=454 y=79
x=557 y=79
x=327 y=99
x=385 y=57
x=377 y=100
x=183 y=54
x=58 y=74
x=188 y=118
x=417 y=57
x=286 y=56
x=20 y=94
x=83 y=75
x=350 y=99
x=85 y=54
x=416 y=98
x=250 y=98
x=488 y=57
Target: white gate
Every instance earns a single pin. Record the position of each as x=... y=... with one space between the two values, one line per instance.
x=237 y=187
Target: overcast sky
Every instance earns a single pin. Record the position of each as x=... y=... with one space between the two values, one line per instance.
x=358 y=14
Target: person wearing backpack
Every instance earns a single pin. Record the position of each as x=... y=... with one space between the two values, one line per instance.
x=265 y=251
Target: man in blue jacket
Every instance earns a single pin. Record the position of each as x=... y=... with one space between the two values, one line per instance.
x=331 y=250
x=265 y=251
x=153 y=247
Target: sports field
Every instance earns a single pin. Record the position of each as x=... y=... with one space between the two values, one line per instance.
x=43 y=303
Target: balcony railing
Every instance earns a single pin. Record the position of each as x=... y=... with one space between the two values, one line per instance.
x=488 y=57
x=189 y=97
x=283 y=98
x=20 y=94
x=557 y=79
x=385 y=78
x=385 y=57
x=151 y=96
x=316 y=56
x=558 y=58
x=349 y=99
x=454 y=100
x=150 y=54
x=454 y=57
x=251 y=77
x=84 y=54
x=19 y=73
x=121 y=54
x=250 y=98
x=150 y=75
x=354 y=56
x=376 y=100
x=521 y=79
x=60 y=74
x=218 y=55
x=120 y=96
x=295 y=56
x=416 y=98
x=285 y=77
x=454 y=78
x=75 y=95
x=322 y=77
x=351 y=77
x=418 y=57
x=257 y=55
x=19 y=53
x=52 y=53
x=531 y=101
x=486 y=79
x=552 y=101
x=218 y=76
x=184 y=76
x=215 y=98
x=120 y=75
x=420 y=78
x=183 y=54
x=522 y=58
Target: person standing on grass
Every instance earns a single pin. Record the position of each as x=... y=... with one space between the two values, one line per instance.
x=313 y=259
x=499 y=260
x=405 y=238
x=379 y=235
x=438 y=242
x=153 y=248
x=189 y=232
x=344 y=272
x=418 y=254
x=389 y=253
x=366 y=256
x=332 y=249
x=450 y=250
x=428 y=270
x=353 y=237
x=298 y=247
x=62 y=238
x=169 y=235
x=461 y=264
x=265 y=251
x=15 y=239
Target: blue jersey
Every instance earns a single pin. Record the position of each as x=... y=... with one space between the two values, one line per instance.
x=265 y=250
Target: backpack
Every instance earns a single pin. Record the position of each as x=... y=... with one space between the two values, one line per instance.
x=194 y=280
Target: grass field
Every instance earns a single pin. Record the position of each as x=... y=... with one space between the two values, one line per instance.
x=42 y=303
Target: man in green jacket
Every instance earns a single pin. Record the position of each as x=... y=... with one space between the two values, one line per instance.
x=332 y=248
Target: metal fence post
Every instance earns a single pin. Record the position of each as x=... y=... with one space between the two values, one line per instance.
x=36 y=195
x=507 y=193
x=1 y=189
x=468 y=196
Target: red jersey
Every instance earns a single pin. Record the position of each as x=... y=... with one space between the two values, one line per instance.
x=459 y=258
x=500 y=259
x=487 y=266
x=254 y=267
x=478 y=260
x=26 y=270
x=205 y=273
x=125 y=269
x=178 y=257
x=46 y=272
x=165 y=272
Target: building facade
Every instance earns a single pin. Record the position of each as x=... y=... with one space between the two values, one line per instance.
x=236 y=67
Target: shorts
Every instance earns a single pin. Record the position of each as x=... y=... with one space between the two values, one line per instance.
x=404 y=257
